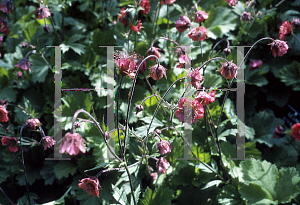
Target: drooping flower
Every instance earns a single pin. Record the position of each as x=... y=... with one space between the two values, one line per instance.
x=285 y=30
x=11 y=142
x=157 y=72
x=32 y=124
x=183 y=23
x=153 y=51
x=198 y=33
x=124 y=17
x=146 y=6
x=138 y=109
x=164 y=147
x=246 y=16
x=162 y=2
x=24 y=64
x=296 y=131
x=196 y=78
x=232 y=2
x=204 y=98
x=19 y=74
x=125 y=62
x=212 y=94
x=91 y=185
x=137 y=28
x=72 y=144
x=39 y=14
x=158 y=131
x=295 y=23
x=279 y=48
x=48 y=142
x=279 y=132
x=194 y=106
x=255 y=64
x=46 y=28
x=200 y=16
x=1 y=40
x=228 y=70
x=6 y=6
x=181 y=61
x=227 y=51
x=4 y=26
x=162 y=165
x=3 y=114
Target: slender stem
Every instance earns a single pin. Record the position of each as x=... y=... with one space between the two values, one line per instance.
x=292 y=144
x=117 y=113
x=46 y=61
x=23 y=164
x=131 y=186
x=131 y=94
x=97 y=125
x=6 y=196
x=296 y=37
x=224 y=39
x=116 y=169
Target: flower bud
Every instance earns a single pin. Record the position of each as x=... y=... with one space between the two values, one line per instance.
x=139 y=108
x=295 y=23
x=227 y=51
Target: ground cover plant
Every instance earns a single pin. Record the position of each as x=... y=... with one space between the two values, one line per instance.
x=149 y=102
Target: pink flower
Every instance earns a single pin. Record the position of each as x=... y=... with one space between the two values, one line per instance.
x=212 y=93
x=24 y=64
x=6 y=6
x=204 y=98
x=162 y=165
x=123 y=17
x=3 y=114
x=4 y=26
x=162 y=2
x=246 y=16
x=72 y=144
x=32 y=124
x=200 y=16
x=183 y=23
x=255 y=64
x=295 y=23
x=157 y=72
x=137 y=28
x=164 y=147
x=19 y=74
x=91 y=185
x=153 y=176
x=181 y=61
x=285 y=30
x=228 y=70
x=1 y=39
x=296 y=131
x=196 y=113
x=232 y=2
x=153 y=51
x=196 y=78
x=278 y=132
x=39 y=13
x=125 y=62
x=48 y=142
x=198 y=33
x=146 y=6
x=11 y=142
x=279 y=48
x=139 y=108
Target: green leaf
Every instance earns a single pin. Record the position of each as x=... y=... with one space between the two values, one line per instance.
x=120 y=195
x=8 y=93
x=212 y=183
x=212 y=80
x=60 y=200
x=230 y=196
x=161 y=195
x=265 y=184
x=220 y=22
x=264 y=124
x=64 y=168
x=290 y=75
x=257 y=77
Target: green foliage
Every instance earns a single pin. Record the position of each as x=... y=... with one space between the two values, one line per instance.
x=290 y=75
x=161 y=195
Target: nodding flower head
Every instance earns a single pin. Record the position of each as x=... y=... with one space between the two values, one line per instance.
x=285 y=30
x=139 y=108
x=162 y=165
x=228 y=70
x=295 y=23
x=200 y=16
x=157 y=72
x=153 y=51
x=72 y=144
x=279 y=48
x=48 y=142
x=125 y=62
x=162 y=2
x=40 y=14
x=145 y=4
x=11 y=142
x=194 y=110
x=246 y=16
x=164 y=147
x=24 y=64
x=6 y=6
x=232 y=2
x=183 y=23
x=91 y=185
x=3 y=114
x=198 y=33
x=296 y=131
